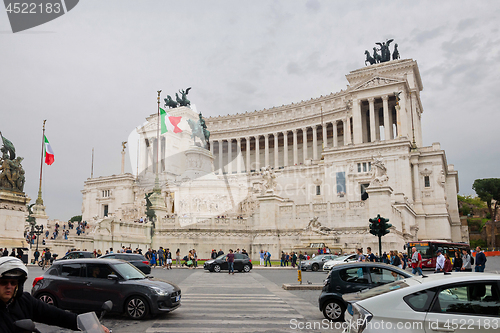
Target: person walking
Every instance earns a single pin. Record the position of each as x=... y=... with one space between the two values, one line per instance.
x=466 y=265
x=36 y=255
x=361 y=257
x=177 y=258
x=262 y=257
x=268 y=258
x=46 y=262
x=230 y=261
x=448 y=266
x=439 y=262
x=168 y=259
x=397 y=260
x=195 y=259
x=294 y=259
x=480 y=260
x=370 y=256
x=282 y=263
x=214 y=254
x=161 y=257
x=416 y=262
x=457 y=262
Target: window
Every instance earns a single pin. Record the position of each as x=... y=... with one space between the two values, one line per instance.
x=340 y=176
x=472 y=298
x=106 y=210
x=71 y=270
x=421 y=300
x=106 y=193
x=364 y=167
x=359 y=167
x=427 y=181
x=98 y=271
x=318 y=190
x=354 y=275
x=382 y=276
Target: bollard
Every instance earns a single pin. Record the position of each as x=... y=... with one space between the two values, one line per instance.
x=299 y=278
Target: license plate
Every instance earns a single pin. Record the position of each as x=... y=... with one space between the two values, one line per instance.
x=177 y=298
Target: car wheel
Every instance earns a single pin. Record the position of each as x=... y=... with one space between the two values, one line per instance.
x=47 y=298
x=333 y=310
x=314 y=267
x=217 y=268
x=246 y=268
x=136 y=307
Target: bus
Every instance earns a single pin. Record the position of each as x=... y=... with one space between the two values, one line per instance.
x=428 y=249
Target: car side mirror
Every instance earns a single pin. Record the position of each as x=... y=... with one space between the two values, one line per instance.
x=26 y=325
x=108 y=305
x=113 y=277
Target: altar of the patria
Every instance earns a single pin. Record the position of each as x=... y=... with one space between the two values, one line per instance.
x=283 y=178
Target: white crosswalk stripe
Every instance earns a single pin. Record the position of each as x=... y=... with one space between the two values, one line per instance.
x=214 y=302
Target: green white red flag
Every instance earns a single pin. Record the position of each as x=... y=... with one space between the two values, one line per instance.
x=48 y=152
x=169 y=123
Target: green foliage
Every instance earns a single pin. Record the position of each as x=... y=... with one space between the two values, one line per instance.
x=487 y=189
x=465 y=210
x=76 y=218
x=478 y=242
x=473 y=201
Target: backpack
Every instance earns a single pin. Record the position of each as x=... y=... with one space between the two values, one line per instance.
x=471 y=260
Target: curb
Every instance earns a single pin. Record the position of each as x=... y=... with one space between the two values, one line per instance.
x=302 y=286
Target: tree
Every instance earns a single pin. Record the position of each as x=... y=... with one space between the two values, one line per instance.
x=488 y=190
x=76 y=218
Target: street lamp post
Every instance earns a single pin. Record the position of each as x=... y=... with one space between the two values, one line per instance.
x=37 y=232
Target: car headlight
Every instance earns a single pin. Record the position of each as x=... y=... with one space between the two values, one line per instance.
x=159 y=291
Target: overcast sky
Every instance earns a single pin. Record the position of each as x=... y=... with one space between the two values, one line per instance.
x=93 y=74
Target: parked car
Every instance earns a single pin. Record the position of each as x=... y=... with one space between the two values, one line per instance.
x=317 y=262
x=241 y=263
x=341 y=259
x=83 y=285
x=138 y=260
x=451 y=302
x=77 y=255
x=352 y=277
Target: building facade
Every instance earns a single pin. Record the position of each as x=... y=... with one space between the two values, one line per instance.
x=291 y=176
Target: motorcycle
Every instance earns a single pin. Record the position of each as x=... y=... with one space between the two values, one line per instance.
x=86 y=322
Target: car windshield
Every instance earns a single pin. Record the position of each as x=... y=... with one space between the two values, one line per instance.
x=318 y=257
x=129 y=272
x=222 y=256
x=342 y=257
x=367 y=293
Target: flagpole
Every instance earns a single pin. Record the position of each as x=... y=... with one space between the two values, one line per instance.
x=157 y=188
x=39 y=200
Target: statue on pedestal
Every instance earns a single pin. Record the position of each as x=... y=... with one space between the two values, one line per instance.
x=12 y=173
x=379 y=173
x=199 y=129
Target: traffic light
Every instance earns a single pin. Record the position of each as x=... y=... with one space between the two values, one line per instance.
x=384 y=226
x=375 y=226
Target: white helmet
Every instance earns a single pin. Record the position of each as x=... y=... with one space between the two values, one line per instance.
x=12 y=268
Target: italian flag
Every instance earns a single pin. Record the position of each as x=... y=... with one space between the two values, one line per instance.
x=48 y=153
x=169 y=123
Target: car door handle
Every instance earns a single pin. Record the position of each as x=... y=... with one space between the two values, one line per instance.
x=337 y=288
x=443 y=329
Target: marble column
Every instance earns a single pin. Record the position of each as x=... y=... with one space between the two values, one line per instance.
x=276 y=150
x=373 y=134
x=257 y=152
x=266 y=150
x=335 y=137
x=315 y=142
x=356 y=122
x=387 y=123
x=348 y=136
x=285 y=148
x=230 y=156
x=344 y=129
x=238 y=155
x=304 y=143
x=325 y=137
x=247 y=139
x=221 y=152
x=295 y=148
x=212 y=147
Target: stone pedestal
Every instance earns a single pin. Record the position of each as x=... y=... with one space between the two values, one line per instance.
x=12 y=218
x=269 y=211
x=200 y=163
x=379 y=201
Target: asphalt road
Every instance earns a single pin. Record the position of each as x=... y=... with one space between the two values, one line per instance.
x=204 y=294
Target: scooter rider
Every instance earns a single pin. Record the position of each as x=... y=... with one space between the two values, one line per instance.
x=16 y=304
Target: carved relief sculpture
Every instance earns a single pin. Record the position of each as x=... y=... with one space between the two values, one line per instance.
x=379 y=173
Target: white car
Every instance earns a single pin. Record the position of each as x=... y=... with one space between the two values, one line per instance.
x=345 y=258
x=451 y=302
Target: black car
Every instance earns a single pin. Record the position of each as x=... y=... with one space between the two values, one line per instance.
x=77 y=255
x=241 y=263
x=138 y=260
x=83 y=285
x=352 y=277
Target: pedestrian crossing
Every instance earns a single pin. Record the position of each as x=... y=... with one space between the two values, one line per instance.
x=218 y=302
